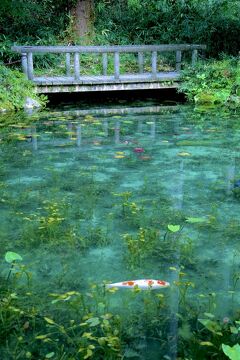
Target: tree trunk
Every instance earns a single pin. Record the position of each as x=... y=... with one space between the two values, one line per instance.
x=83 y=18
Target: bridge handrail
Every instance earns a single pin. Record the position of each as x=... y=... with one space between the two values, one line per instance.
x=28 y=51
x=107 y=48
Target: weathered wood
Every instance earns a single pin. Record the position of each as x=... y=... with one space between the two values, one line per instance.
x=140 y=62
x=24 y=64
x=30 y=65
x=109 y=79
x=107 y=49
x=178 y=60
x=146 y=80
x=81 y=88
x=116 y=66
x=68 y=64
x=76 y=66
x=105 y=63
x=194 y=56
x=154 y=64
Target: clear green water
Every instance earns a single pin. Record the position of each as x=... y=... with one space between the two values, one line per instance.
x=83 y=206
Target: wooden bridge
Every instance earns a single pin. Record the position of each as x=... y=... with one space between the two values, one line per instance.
x=70 y=78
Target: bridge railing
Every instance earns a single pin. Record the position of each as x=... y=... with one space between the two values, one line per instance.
x=27 y=53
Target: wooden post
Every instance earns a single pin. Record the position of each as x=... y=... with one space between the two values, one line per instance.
x=76 y=66
x=140 y=62
x=105 y=63
x=24 y=64
x=194 y=57
x=154 y=64
x=116 y=66
x=178 y=60
x=30 y=66
x=68 y=64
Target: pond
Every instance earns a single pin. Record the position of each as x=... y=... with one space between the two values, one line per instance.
x=97 y=196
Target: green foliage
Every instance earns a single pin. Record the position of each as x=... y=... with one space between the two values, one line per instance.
x=232 y=352
x=14 y=88
x=215 y=82
x=31 y=22
x=214 y=23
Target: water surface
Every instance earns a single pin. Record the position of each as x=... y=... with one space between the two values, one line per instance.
x=87 y=197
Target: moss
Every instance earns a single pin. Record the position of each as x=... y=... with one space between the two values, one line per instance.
x=14 y=88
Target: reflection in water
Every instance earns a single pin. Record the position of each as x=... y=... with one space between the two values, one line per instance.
x=79 y=135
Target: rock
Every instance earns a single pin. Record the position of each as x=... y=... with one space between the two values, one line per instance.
x=31 y=104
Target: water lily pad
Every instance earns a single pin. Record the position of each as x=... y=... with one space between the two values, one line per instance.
x=173 y=228
x=11 y=256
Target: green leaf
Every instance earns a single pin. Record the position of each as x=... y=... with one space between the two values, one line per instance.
x=11 y=256
x=209 y=315
x=206 y=343
x=49 y=321
x=50 y=355
x=93 y=321
x=232 y=352
x=233 y=330
x=194 y=220
x=211 y=325
x=173 y=228
x=41 y=337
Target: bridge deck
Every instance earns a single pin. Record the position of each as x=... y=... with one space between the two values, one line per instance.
x=52 y=84
x=107 y=79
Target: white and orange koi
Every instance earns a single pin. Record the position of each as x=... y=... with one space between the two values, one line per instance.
x=144 y=284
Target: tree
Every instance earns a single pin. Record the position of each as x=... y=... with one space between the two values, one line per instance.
x=82 y=13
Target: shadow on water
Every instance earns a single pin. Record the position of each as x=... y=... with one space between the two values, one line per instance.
x=163 y=96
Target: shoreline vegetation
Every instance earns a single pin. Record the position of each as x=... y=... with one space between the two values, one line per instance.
x=211 y=83
x=215 y=23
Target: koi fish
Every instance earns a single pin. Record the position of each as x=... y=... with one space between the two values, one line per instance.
x=144 y=284
x=138 y=150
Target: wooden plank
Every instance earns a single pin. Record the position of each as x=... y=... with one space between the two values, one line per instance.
x=30 y=65
x=106 y=49
x=140 y=62
x=178 y=60
x=116 y=66
x=106 y=87
x=76 y=66
x=109 y=79
x=154 y=64
x=105 y=63
x=68 y=64
x=24 y=64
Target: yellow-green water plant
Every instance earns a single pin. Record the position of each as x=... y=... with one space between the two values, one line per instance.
x=17 y=270
x=140 y=246
x=11 y=258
